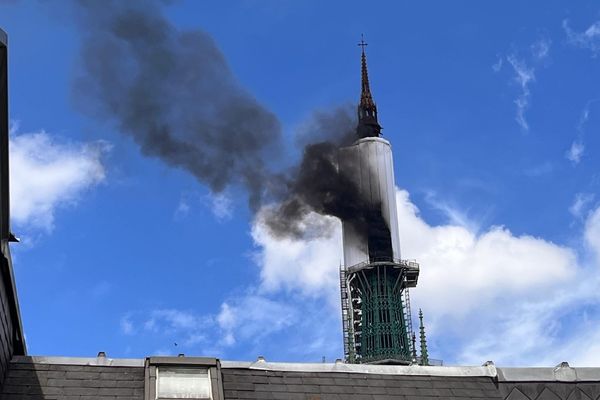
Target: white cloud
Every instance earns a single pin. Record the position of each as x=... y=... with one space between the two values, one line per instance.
x=474 y=265
x=254 y=317
x=184 y=327
x=541 y=48
x=592 y=233
x=497 y=66
x=250 y=319
x=575 y=152
x=585 y=114
x=175 y=320
x=309 y=266
x=182 y=210
x=46 y=175
x=126 y=324
x=454 y=215
x=221 y=205
x=524 y=75
x=580 y=204
x=588 y=39
x=577 y=148
x=514 y=290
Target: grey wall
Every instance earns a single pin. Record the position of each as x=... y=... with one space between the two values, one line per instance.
x=10 y=338
x=6 y=327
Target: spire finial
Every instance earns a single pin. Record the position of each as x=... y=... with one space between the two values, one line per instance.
x=424 y=354
x=362 y=43
x=367 y=110
x=366 y=100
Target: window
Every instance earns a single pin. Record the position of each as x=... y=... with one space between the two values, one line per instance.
x=183 y=383
x=173 y=378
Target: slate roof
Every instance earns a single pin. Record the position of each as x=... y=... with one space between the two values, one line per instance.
x=31 y=380
x=550 y=391
x=256 y=384
x=42 y=378
x=562 y=382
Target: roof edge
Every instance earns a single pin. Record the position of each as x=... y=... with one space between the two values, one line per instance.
x=561 y=373
x=91 y=361
x=483 y=371
x=192 y=361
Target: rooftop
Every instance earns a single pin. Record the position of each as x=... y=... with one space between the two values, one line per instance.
x=39 y=378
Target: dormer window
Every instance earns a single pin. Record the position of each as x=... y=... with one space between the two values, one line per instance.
x=182 y=383
x=169 y=378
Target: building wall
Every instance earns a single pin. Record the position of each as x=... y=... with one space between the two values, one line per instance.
x=6 y=325
x=11 y=341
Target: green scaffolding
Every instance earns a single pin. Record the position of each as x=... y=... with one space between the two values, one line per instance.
x=384 y=332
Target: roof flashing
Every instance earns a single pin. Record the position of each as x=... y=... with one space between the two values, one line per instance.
x=561 y=373
x=415 y=370
x=89 y=361
x=556 y=374
x=184 y=361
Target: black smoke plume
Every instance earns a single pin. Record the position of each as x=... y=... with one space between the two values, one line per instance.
x=317 y=184
x=172 y=91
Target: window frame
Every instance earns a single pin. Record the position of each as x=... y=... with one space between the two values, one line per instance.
x=212 y=366
x=173 y=368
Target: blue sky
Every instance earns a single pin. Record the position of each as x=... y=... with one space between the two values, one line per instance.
x=493 y=111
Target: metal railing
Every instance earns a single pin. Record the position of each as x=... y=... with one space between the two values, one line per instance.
x=413 y=264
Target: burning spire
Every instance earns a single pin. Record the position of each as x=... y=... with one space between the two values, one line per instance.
x=373 y=278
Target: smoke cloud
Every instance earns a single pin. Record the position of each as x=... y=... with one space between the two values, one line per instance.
x=172 y=91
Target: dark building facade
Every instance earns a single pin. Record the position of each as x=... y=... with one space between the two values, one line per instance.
x=11 y=333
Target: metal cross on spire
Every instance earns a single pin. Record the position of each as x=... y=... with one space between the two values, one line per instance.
x=362 y=42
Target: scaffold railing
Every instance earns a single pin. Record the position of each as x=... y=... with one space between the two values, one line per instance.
x=384 y=260
x=408 y=318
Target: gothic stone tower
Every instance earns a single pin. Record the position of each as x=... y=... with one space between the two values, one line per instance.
x=374 y=280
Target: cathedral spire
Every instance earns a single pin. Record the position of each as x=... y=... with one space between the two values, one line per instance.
x=366 y=99
x=367 y=110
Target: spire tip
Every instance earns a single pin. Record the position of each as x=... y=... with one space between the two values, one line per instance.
x=367 y=110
